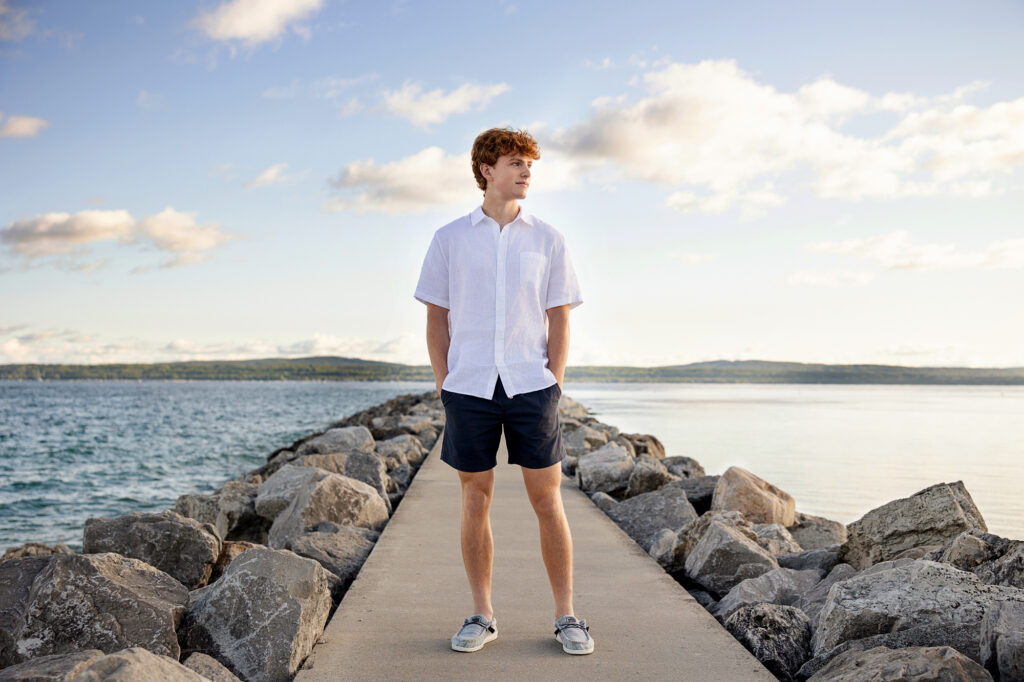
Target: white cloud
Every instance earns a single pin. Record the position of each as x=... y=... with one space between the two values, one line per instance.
x=272 y=175
x=896 y=251
x=15 y=24
x=353 y=106
x=65 y=240
x=21 y=126
x=428 y=179
x=718 y=137
x=829 y=278
x=415 y=183
x=255 y=21
x=425 y=108
x=174 y=230
x=59 y=233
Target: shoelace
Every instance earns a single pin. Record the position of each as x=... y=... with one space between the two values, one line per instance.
x=477 y=621
x=582 y=624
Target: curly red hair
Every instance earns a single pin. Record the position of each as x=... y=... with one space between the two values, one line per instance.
x=491 y=144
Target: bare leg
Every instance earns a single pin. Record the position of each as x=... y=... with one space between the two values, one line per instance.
x=477 y=543
x=543 y=488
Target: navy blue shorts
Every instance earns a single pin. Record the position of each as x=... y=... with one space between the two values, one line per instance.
x=472 y=431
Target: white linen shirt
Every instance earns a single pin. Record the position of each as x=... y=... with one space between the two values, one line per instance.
x=497 y=284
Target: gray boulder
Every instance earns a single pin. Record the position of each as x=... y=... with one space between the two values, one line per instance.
x=996 y=560
x=822 y=559
x=177 y=545
x=342 y=550
x=52 y=668
x=757 y=499
x=605 y=470
x=604 y=501
x=645 y=444
x=935 y=635
x=691 y=534
x=778 y=636
x=919 y=594
x=278 y=491
x=427 y=437
x=775 y=538
x=209 y=668
x=932 y=516
x=782 y=586
x=30 y=549
x=663 y=546
x=391 y=426
x=913 y=664
x=371 y=470
x=725 y=557
x=685 y=467
x=404 y=449
x=816 y=532
x=343 y=439
x=229 y=551
x=402 y=476
x=262 y=617
x=333 y=462
x=230 y=510
x=643 y=516
x=813 y=600
x=699 y=490
x=582 y=440
x=135 y=663
x=648 y=475
x=1002 y=641
x=66 y=602
x=339 y=499
x=236 y=513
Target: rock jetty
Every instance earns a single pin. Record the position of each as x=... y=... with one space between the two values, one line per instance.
x=239 y=584
x=233 y=585
x=916 y=589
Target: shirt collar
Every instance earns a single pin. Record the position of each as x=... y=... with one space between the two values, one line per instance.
x=478 y=214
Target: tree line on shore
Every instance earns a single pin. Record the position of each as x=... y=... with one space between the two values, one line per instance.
x=330 y=368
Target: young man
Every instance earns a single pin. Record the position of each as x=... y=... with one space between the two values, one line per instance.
x=498 y=285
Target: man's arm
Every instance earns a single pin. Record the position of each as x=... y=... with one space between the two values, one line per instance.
x=438 y=341
x=558 y=340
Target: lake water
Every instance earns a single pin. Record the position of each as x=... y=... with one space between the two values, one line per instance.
x=74 y=450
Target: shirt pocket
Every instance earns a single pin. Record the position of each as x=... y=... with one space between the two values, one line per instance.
x=531 y=268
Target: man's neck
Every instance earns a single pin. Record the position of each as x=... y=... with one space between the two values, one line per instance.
x=501 y=211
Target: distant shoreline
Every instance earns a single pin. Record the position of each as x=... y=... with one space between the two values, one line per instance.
x=323 y=369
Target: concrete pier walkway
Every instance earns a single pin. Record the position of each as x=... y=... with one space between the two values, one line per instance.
x=410 y=597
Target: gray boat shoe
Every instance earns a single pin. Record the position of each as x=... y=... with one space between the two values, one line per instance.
x=474 y=633
x=574 y=635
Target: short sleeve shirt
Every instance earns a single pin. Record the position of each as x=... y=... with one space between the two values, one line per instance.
x=497 y=284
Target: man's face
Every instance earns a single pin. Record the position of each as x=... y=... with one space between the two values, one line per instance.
x=509 y=177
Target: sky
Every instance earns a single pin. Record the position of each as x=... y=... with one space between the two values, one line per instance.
x=791 y=181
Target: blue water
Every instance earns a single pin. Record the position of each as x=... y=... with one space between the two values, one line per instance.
x=71 y=450
x=74 y=450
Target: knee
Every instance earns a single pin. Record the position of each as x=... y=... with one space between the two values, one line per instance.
x=548 y=506
x=476 y=500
